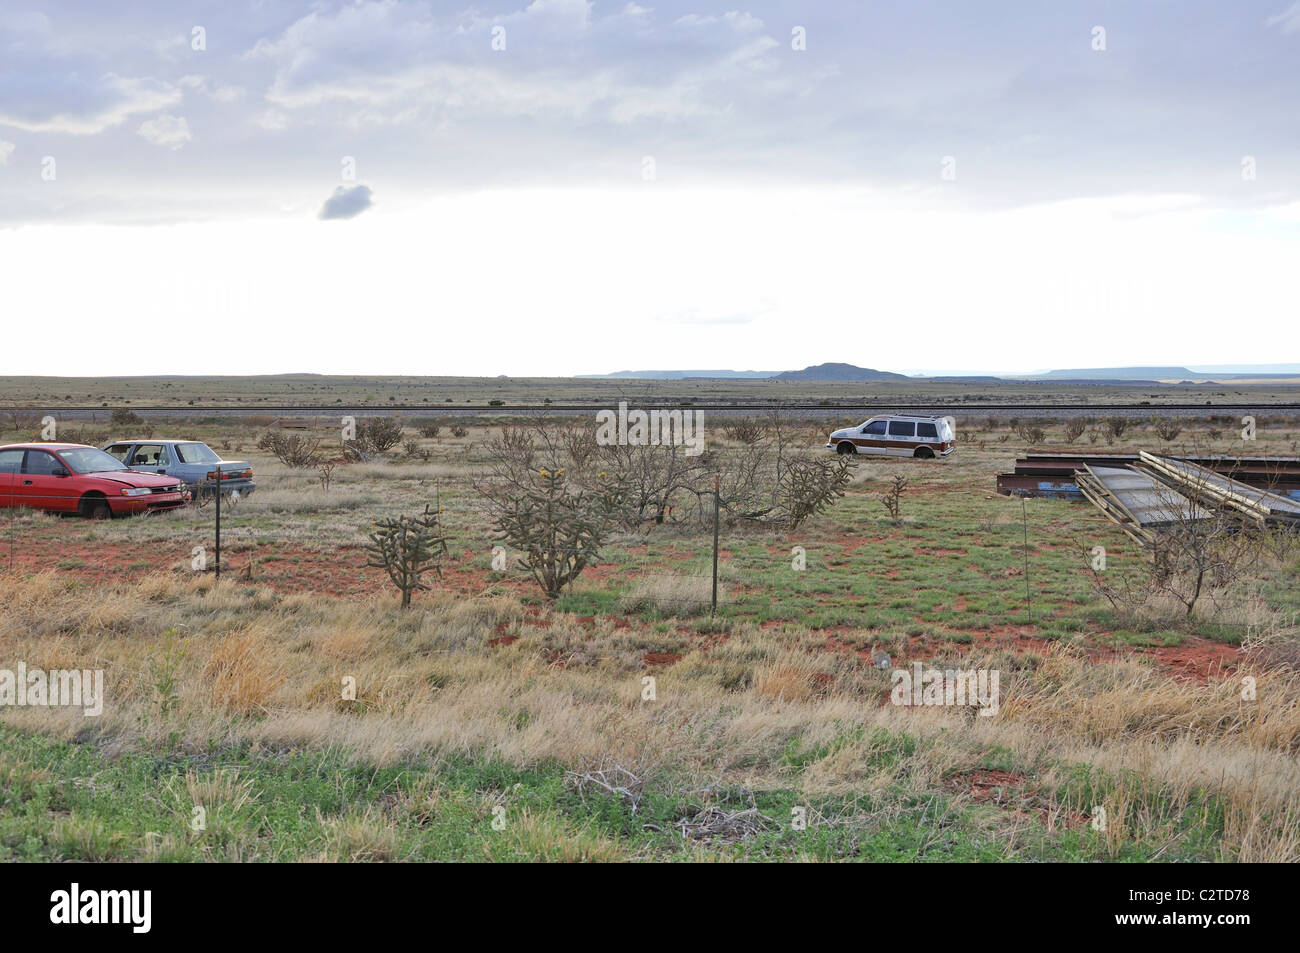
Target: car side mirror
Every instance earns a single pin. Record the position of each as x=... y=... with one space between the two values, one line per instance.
x=59 y=472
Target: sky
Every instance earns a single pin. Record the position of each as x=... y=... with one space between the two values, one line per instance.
x=566 y=187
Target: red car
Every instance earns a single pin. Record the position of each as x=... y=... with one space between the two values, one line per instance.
x=74 y=478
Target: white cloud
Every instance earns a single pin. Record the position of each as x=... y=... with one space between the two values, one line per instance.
x=119 y=97
x=168 y=131
x=1288 y=19
x=386 y=61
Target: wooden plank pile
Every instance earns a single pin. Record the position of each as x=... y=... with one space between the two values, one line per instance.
x=1215 y=490
x=1137 y=502
x=1052 y=474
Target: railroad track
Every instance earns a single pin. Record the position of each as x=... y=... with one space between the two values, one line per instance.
x=649 y=403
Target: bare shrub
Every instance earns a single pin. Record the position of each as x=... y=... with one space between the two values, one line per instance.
x=412 y=450
x=1074 y=428
x=122 y=417
x=1031 y=433
x=459 y=431
x=430 y=430
x=745 y=430
x=1166 y=429
x=293 y=450
x=1115 y=428
x=376 y=435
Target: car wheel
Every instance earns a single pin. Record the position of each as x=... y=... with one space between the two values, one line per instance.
x=924 y=453
x=95 y=508
x=846 y=447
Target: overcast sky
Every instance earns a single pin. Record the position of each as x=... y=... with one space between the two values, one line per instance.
x=562 y=186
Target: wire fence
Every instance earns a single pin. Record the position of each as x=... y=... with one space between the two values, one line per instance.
x=693 y=569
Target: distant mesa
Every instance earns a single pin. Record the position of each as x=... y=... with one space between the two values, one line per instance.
x=839 y=372
x=687 y=375
x=1173 y=375
x=1150 y=373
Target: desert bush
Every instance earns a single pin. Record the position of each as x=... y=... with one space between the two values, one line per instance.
x=430 y=430
x=293 y=450
x=121 y=417
x=458 y=430
x=1197 y=556
x=1166 y=429
x=1031 y=433
x=406 y=548
x=1074 y=428
x=412 y=450
x=376 y=435
x=1115 y=427
x=745 y=430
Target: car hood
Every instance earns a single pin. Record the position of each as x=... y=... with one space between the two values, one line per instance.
x=133 y=478
x=842 y=433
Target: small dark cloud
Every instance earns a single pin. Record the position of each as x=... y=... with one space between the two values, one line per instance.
x=347 y=202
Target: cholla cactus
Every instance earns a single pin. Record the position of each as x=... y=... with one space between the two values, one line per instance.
x=407 y=548
x=557 y=523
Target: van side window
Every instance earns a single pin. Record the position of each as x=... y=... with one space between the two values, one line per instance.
x=902 y=428
x=927 y=430
x=876 y=427
x=119 y=450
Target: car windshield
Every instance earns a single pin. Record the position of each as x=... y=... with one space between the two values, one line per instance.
x=90 y=460
x=196 y=453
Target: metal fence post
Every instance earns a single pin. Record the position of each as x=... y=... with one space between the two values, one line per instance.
x=716 y=493
x=218 y=503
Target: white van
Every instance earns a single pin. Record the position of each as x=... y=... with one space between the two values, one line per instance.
x=897 y=435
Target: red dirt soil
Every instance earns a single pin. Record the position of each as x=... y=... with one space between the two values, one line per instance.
x=341 y=571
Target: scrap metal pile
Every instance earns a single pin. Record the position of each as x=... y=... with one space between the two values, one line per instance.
x=1148 y=493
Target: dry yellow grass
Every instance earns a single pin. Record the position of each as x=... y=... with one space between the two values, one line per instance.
x=428 y=683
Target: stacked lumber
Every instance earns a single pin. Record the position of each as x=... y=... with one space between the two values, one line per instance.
x=1052 y=474
x=1137 y=502
x=1215 y=490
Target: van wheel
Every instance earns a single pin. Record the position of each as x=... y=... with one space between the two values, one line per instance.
x=924 y=453
x=845 y=446
x=95 y=508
